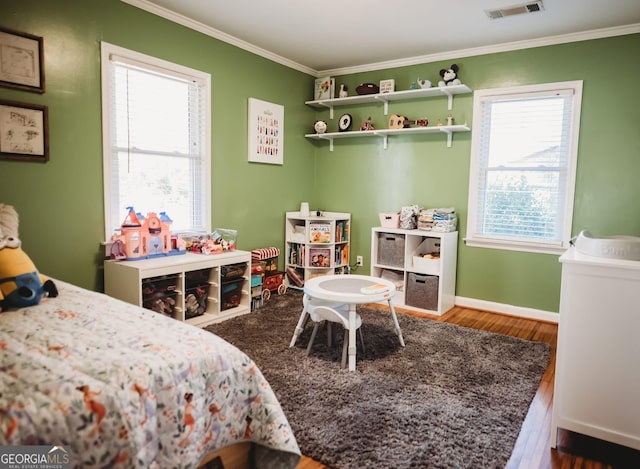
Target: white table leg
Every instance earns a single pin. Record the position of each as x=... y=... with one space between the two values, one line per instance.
x=352 y=337
x=395 y=323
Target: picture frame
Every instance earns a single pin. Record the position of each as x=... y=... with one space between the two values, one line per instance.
x=265 y=132
x=24 y=131
x=324 y=88
x=21 y=61
x=387 y=86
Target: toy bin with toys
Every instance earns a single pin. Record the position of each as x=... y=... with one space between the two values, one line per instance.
x=232 y=280
x=159 y=294
x=218 y=241
x=197 y=291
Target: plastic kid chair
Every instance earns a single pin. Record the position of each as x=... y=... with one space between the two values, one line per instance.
x=308 y=305
x=321 y=313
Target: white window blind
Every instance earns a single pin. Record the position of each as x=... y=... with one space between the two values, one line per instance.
x=156 y=150
x=523 y=167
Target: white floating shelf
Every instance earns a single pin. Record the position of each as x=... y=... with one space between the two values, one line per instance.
x=385 y=98
x=384 y=133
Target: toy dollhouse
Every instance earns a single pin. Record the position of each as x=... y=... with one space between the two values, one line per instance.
x=147 y=237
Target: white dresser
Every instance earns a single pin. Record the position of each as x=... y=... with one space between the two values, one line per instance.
x=597 y=380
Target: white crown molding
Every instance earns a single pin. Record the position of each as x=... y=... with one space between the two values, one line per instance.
x=449 y=55
x=511 y=310
x=505 y=47
x=209 y=31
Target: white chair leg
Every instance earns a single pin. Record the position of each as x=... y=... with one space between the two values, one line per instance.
x=304 y=316
x=313 y=336
x=345 y=347
x=361 y=339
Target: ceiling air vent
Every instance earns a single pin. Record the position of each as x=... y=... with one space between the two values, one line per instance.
x=530 y=7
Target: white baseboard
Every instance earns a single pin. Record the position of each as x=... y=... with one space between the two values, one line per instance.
x=519 y=311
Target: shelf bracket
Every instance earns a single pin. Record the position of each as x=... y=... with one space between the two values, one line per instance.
x=385 y=140
x=449 y=99
x=449 y=136
x=325 y=137
x=385 y=104
x=328 y=106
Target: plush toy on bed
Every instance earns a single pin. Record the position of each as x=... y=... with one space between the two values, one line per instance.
x=449 y=76
x=20 y=283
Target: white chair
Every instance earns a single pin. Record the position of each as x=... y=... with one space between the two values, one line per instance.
x=339 y=315
x=308 y=305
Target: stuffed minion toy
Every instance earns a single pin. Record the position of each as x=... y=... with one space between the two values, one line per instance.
x=20 y=283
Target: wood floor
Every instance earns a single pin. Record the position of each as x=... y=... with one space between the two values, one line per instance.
x=532 y=449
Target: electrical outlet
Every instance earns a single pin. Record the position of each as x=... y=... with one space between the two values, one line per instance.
x=359 y=261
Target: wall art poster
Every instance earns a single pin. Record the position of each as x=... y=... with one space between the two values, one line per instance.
x=21 y=61
x=266 y=132
x=23 y=132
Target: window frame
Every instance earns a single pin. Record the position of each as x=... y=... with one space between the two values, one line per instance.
x=476 y=239
x=151 y=63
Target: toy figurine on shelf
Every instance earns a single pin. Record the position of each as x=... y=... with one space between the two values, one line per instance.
x=343 y=91
x=367 y=125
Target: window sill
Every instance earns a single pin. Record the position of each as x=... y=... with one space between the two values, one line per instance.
x=515 y=246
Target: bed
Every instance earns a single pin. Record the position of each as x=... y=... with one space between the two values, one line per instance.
x=122 y=386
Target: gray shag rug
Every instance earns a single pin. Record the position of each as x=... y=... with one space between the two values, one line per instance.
x=454 y=397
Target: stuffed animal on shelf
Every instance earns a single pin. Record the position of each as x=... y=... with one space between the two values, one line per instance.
x=449 y=76
x=20 y=282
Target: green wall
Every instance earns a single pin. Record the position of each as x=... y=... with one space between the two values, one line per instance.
x=60 y=202
x=422 y=170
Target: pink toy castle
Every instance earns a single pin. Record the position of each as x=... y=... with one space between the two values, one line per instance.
x=146 y=237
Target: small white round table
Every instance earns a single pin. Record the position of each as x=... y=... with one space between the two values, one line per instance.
x=348 y=289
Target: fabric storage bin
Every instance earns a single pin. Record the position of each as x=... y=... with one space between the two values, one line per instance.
x=422 y=291
x=391 y=249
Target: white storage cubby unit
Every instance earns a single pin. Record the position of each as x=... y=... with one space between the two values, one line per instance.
x=316 y=245
x=385 y=99
x=596 y=381
x=196 y=288
x=425 y=285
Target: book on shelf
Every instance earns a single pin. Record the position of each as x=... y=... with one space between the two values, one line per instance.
x=324 y=88
x=341 y=256
x=319 y=257
x=342 y=231
x=320 y=232
x=296 y=254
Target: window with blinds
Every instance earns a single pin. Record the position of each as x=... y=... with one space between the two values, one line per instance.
x=156 y=147
x=523 y=164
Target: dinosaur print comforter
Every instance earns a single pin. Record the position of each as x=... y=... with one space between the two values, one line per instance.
x=127 y=387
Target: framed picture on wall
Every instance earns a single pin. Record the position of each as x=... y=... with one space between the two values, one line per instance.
x=21 y=61
x=24 y=132
x=266 y=132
